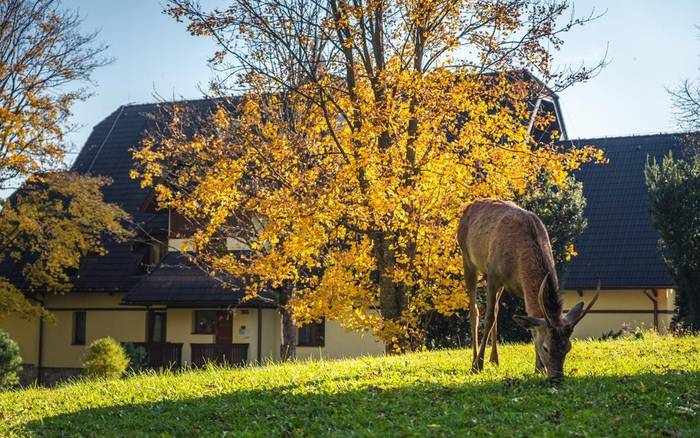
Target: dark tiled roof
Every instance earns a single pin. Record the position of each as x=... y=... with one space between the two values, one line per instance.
x=620 y=245
x=107 y=152
x=176 y=282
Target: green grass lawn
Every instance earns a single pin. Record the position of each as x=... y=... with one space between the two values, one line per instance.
x=630 y=387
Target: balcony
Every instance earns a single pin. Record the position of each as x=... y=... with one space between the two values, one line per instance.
x=224 y=354
x=162 y=354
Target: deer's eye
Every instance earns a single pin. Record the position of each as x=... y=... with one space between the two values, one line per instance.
x=546 y=350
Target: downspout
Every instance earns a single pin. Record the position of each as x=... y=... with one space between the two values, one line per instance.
x=39 y=361
x=259 y=334
x=40 y=348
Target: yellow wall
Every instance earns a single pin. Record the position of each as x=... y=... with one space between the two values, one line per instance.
x=338 y=342
x=596 y=324
x=180 y=325
x=26 y=334
x=124 y=324
x=248 y=318
x=272 y=335
x=128 y=324
x=341 y=343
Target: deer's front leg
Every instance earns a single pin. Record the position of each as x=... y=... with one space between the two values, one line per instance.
x=470 y=280
x=539 y=367
x=494 y=330
x=474 y=322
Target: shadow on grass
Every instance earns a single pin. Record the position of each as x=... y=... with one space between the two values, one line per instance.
x=640 y=405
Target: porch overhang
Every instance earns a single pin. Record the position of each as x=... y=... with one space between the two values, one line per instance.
x=176 y=283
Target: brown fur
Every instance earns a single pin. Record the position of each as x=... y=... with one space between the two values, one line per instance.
x=511 y=247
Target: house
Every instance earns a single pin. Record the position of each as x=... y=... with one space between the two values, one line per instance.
x=142 y=292
x=145 y=293
x=620 y=246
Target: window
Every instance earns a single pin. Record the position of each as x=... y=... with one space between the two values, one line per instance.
x=79 y=328
x=151 y=253
x=156 y=252
x=156 y=326
x=204 y=322
x=312 y=335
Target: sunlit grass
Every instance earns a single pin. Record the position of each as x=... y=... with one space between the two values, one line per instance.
x=630 y=387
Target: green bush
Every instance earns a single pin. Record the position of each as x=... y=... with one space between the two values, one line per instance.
x=674 y=196
x=138 y=357
x=10 y=362
x=105 y=358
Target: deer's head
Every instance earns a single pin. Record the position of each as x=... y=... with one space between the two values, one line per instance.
x=551 y=336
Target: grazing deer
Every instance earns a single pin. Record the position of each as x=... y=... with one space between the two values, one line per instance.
x=511 y=247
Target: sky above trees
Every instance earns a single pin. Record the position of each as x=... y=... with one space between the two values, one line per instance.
x=651 y=46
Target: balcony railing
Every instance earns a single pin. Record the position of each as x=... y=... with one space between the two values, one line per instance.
x=162 y=354
x=225 y=354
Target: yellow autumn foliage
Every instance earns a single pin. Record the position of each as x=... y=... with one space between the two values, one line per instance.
x=54 y=217
x=359 y=170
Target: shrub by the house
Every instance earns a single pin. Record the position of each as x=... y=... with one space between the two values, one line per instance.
x=138 y=358
x=105 y=358
x=10 y=362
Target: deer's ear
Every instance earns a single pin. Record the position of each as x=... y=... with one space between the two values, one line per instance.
x=528 y=322
x=573 y=314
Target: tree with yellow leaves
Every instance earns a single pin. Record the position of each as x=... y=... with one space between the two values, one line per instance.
x=55 y=217
x=363 y=129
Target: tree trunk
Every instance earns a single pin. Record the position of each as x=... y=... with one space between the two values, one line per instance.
x=288 y=349
x=392 y=299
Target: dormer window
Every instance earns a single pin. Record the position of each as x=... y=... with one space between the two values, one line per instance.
x=152 y=252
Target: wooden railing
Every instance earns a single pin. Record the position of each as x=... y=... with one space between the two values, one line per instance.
x=162 y=354
x=226 y=354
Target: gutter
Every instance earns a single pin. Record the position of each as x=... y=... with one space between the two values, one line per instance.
x=201 y=304
x=592 y=288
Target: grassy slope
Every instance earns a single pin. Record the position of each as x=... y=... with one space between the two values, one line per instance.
x=648 y=387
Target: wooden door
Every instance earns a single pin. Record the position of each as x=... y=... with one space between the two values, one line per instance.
x=224 y=328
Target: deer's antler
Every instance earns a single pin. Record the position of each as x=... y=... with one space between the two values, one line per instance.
x=580 y=316
x=540 y=299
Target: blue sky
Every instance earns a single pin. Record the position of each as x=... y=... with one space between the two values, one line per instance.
x=652 y=45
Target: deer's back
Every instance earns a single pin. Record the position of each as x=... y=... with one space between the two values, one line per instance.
x=500 y=238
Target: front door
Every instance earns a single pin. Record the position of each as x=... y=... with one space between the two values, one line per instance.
x=224 y=328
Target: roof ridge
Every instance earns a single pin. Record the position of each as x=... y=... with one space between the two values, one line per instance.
x=167 y=102
x=630 y=136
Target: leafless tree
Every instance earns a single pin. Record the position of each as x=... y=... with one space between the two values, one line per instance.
x=45 y=64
